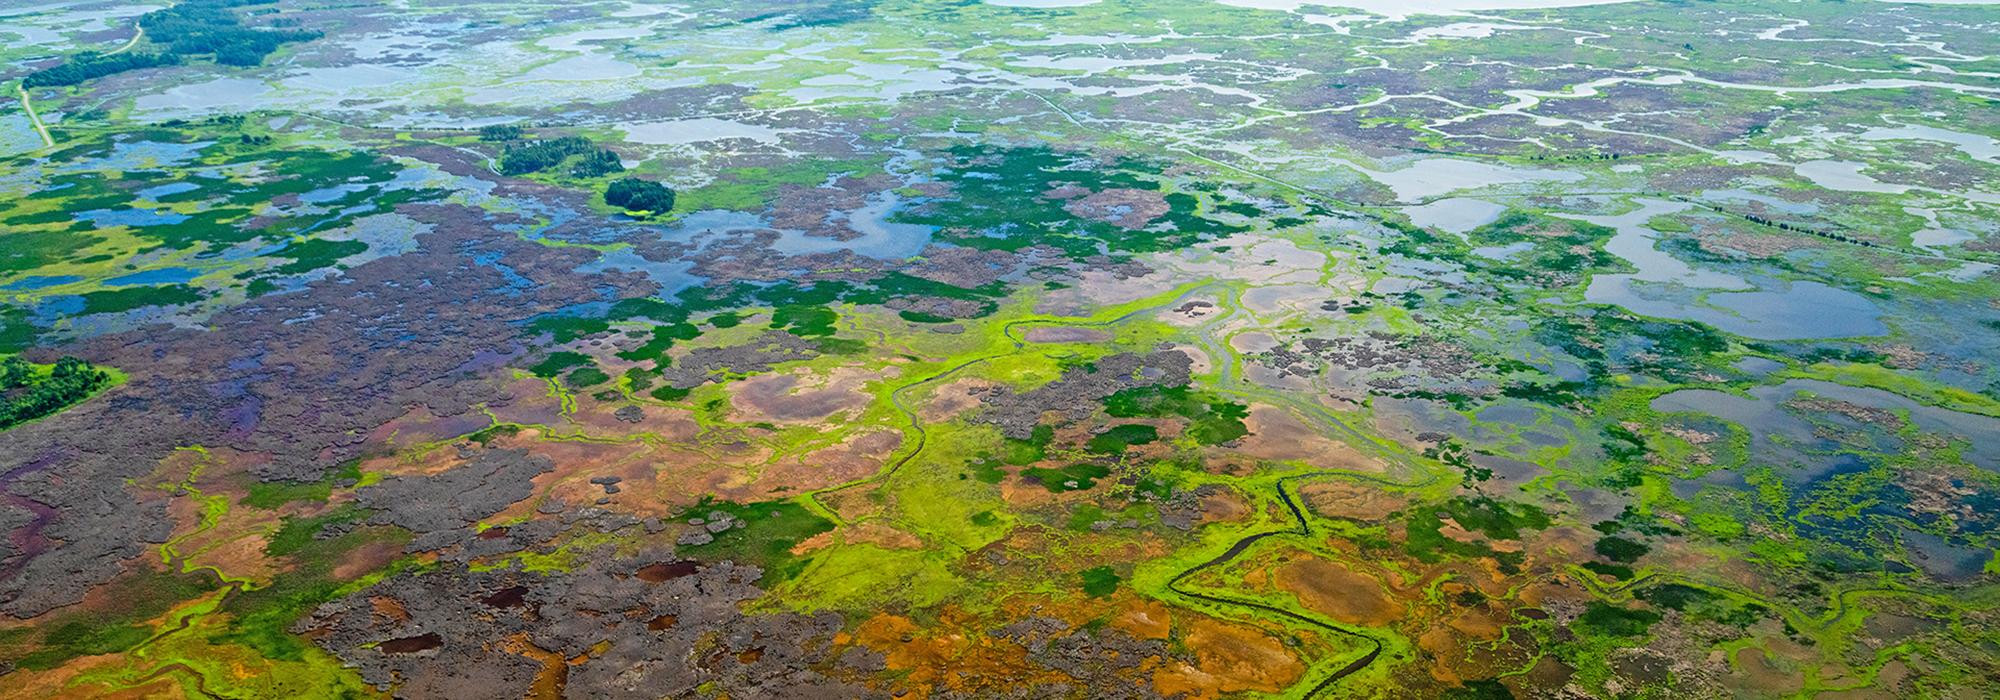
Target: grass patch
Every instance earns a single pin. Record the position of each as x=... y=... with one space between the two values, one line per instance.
x=770 y=530
x=1119 y=438
x=1211 y=420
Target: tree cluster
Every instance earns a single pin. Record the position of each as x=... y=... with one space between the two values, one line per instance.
x=25 y=396
x=211 y=27
x=88 y=65
x=500 y=132
x=540 y=155
x=635 y=194
x=191 y=28
x=598 y=163
x=536 y=156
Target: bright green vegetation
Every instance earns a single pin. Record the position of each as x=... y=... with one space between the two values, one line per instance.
x=764 y=536
x=271 y=495
x=261 y=615
x=83 y=633
x=28 y=391
x=1550 y=357
x=1211 y=420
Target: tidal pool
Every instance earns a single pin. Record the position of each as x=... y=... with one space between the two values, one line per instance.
x=221 y=93
x=34 y=282
x=589 y=66
x=1846 y=176
x=1397 y=9
x=1667 y=287
x=1457 y=215
x=1424 y=178
x=341 y=79
x=686 y=131
x=879 y=238
x=169 y=189
x=672 y=276
x=164 y=275
x=1784 y=437
x=1465 y=30
x=137 y=218
x=1041 y=3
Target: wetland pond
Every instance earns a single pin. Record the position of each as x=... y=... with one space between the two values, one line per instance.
x=1765 y=309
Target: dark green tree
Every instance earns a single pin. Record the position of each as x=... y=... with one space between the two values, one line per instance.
x=635 y=194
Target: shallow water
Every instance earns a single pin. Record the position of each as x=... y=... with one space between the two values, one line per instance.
x=879 y=238
x=1801 y=309
x=341 y=79
x=1738 y=195
x=141 y=155
x=227 y=93
x=139 y=218
x=1429 y=177
x=1846 y=176
x=1459 y=215
x=164 y=275
x=40 y=282
x=171 y=188
x=686 y=131
x=590 y=66
x=1781 y=433
x=1973 y=145
x=1405 y=8
x=1667 y=287
x=1503 y=252
x=1464 y=30
x=1099 y=64
x=672 y=276
x=1636 y=243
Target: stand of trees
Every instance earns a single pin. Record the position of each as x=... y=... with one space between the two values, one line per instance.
x=211 y=27
x=90 y=64
x=635 y=194
x=190 y=28
x=598 y=163
x=25 y=395
x=500 y=132
x=536 y=156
